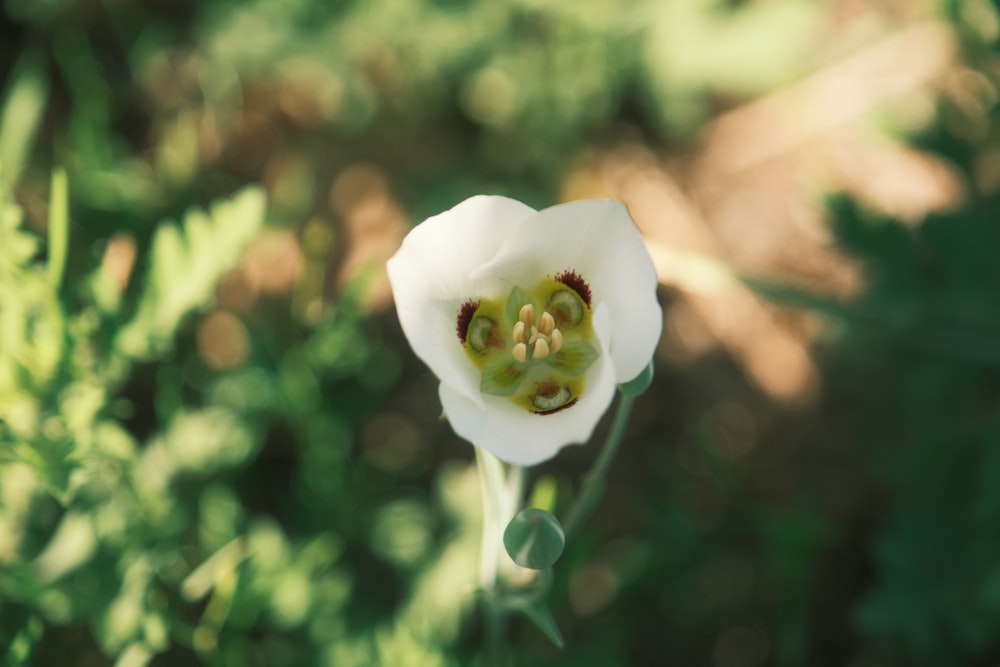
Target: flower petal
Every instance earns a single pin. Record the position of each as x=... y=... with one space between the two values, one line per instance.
x=431 y=278
x=598 y=240
x=518 y=436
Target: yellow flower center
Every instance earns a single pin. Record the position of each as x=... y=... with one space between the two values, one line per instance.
x=535 y=343
x=536 y=361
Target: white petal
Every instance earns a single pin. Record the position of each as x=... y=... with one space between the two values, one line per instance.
x=598 y=240
x=431 y=278
x=517 y=436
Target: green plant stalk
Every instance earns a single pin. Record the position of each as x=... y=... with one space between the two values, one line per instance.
x=595 y=480
x=58 y=228
x=496 y=625
x=24 y=101
x=502 y=488
x=492 y=484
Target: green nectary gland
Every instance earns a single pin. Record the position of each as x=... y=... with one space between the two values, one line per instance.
x=550 y=396
x=483 y=334
x=566 y=307
x=537 y=395
x=542 y=386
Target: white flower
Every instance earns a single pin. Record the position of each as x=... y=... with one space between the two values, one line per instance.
x=529 y=318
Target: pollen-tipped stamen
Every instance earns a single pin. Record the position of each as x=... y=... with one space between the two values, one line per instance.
x=535 y=342
x=527 y=314
x=555 y=341
x=547 y=323
x=519 y=332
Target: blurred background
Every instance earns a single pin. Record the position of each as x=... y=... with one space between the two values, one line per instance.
x=217 y=449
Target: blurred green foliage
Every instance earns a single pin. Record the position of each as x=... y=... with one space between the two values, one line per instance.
x=157 y=508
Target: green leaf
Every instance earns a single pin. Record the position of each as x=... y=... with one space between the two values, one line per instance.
x=186 y=263
x=58 y=227
x=574 y=358
x=21 y=114
x=534 y=539
x=503 y=379
x=21 y=646
x=543 y=620
x=640 y=383
x=518 y=297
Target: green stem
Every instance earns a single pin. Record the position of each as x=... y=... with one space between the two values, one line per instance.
x=491 y=481
x=58 y=227
x=496 y=623
x=594 y=481
x=513 y=494
x=495 y=492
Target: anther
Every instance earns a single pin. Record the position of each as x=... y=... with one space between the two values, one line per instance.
x=547 y=323
x=527 y=314
x=541 y=349
x=520 y=352
x=556 y=341
x=519 y=332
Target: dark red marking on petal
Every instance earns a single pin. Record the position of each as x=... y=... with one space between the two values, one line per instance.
x=575 y=282
x=465 y=314
x=564 y=406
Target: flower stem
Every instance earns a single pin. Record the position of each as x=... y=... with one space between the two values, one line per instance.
x=594 y=481
x=496 y=623
x=491 y=481
x=501 y=496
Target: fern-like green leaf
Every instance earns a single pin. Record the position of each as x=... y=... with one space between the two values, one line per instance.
x=186 y=262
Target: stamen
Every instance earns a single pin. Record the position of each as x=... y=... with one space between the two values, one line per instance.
x=541 y=349
x=527 y=314
x=519 y=332
x=556 y=341
x=547 y=323
x=520 y=352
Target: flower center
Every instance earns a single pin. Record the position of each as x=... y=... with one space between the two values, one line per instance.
x=535 y=343
x=538 y=362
